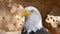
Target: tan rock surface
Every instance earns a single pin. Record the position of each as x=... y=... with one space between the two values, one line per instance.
x=10 y=18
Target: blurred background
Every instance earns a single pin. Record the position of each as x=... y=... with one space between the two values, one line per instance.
x=45 y=7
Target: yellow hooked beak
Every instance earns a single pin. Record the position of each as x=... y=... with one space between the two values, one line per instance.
x=26 y=13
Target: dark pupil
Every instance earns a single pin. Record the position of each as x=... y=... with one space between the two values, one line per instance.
x=31 y=10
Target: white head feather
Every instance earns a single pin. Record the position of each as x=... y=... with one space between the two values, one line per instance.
x=34 y=21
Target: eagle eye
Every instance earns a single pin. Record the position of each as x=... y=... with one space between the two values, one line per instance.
x=32 y=10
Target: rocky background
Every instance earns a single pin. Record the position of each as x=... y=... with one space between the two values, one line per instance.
x=45 y=7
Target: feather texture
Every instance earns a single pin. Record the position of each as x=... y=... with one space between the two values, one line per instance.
x=34 y=21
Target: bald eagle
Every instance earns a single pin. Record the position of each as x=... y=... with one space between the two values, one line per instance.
x=33 y=21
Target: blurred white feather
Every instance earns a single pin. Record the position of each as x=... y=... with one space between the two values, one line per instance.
x=33 y=22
